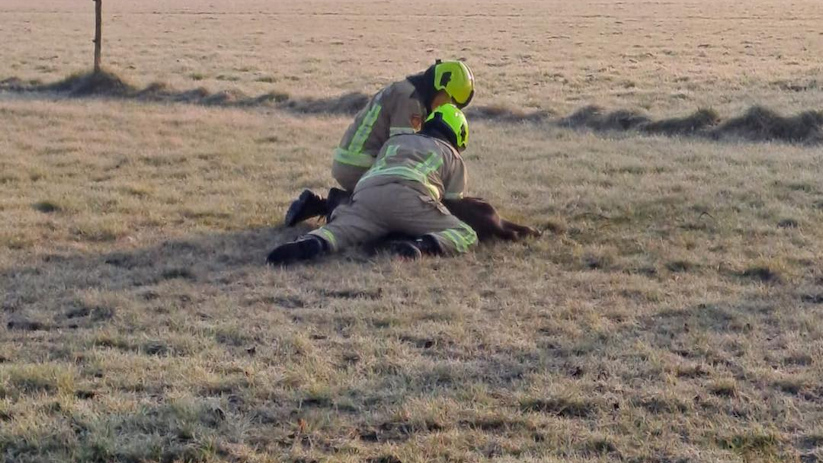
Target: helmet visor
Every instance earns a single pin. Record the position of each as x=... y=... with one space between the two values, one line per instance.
x=461 y=105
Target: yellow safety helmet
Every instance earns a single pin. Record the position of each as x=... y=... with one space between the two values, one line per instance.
x=456 y=79
x=450 y=120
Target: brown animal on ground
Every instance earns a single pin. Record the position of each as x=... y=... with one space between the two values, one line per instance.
x=478 y=214
x=484 y=219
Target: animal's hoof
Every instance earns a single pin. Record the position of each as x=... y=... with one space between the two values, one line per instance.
x=405 y=250
x=308 y=205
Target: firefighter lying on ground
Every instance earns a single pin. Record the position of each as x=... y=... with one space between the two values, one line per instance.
x=399 y=108
x=401 y=193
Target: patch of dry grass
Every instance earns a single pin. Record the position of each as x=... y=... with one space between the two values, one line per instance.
x=140 y=322
x=672 y=314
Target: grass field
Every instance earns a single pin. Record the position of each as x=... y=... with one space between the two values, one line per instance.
x=670 y=313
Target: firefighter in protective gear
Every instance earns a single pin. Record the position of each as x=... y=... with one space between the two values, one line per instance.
x=399 y=108
x=401 y=193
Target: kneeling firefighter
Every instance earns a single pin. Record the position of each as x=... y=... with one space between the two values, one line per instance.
x=399 y=108
x=401 y=193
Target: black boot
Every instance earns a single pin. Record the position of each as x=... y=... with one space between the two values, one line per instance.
x=305 y=248
x=415 y=249
x=308 y=205
x=335 y=198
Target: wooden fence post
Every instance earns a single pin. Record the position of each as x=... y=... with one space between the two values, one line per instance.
x=98 y=33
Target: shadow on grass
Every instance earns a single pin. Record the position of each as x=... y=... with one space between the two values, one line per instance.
x=108 y=85
x=220 y=261
x=206 y=259
x=758 y=124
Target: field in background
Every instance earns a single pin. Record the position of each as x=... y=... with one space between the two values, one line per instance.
x=667 y=57
x=671 y=313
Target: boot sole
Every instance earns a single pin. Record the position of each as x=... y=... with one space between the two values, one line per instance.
x=294 y=252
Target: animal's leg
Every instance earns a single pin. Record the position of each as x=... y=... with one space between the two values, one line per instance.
x=520 y=231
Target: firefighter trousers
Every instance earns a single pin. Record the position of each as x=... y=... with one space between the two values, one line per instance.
x=376 y=211
x=347 y=175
